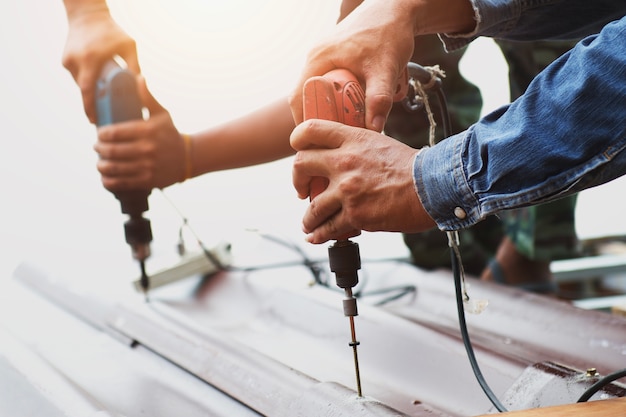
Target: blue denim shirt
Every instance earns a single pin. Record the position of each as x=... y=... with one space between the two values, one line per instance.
x=565 y=134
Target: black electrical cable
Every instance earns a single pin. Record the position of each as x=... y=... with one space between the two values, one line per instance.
x=402 y=291
x=456 y=271
x=208 y=254
x=601 y=383
x=316 y=271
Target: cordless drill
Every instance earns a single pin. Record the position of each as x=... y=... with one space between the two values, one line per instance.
x=117 y=100
x=338 y=96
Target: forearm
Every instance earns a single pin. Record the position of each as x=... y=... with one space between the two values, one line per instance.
x=425 y=17
x=565 y=134
x=537 y=20
x=259 y=137
x=440 y=16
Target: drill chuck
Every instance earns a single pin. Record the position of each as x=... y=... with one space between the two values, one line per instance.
x=137 y=229
x=345 y=260
x=138 y=235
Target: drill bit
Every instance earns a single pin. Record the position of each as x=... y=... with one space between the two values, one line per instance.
x=144 y=281
x=354 y=343
x=345 y=261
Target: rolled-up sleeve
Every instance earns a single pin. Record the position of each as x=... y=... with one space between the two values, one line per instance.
x=565 y=134
x=536 y=20
x=442 y=187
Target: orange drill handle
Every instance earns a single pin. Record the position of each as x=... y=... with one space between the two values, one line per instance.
x=335 y=96
x=338 y=96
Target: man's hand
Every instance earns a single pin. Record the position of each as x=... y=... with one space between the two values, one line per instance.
x=142 y=154
x=93 y=38
x=370 y=181
x=374 y=42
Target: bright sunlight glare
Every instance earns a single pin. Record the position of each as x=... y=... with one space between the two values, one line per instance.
x=241 y=54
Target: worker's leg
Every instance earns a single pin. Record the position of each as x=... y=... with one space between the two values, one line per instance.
x=535 y=236
x=544 y=232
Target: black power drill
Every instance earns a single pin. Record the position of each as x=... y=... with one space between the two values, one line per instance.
x=117 y=100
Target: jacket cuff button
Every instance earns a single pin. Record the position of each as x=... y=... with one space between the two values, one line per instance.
x=460 y=213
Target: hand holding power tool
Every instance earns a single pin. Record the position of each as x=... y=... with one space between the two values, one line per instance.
x=338 y=96
x=117 y=100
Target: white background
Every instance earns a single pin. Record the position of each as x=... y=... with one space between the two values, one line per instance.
x=205 y=61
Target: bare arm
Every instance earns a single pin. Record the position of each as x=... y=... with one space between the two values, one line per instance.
x=152 y=153
x=258 y=137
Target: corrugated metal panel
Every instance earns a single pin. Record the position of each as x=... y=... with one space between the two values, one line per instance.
x=267 y=342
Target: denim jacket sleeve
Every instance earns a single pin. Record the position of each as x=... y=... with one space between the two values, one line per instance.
x=537 y=19
x=565 y=134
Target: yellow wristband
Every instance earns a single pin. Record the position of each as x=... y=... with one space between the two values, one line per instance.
x=188 y=152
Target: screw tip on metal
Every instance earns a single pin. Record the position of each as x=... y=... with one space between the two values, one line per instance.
x=359 y=393
x=354 y=343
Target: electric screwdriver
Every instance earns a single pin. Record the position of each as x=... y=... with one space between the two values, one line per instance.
x=117 y=100
x=338 y=96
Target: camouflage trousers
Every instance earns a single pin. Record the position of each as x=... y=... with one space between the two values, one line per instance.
x=543 y=232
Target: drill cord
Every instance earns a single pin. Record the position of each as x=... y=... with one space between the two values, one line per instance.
x=456 y=270
x=455 y=259
x=210 y=256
